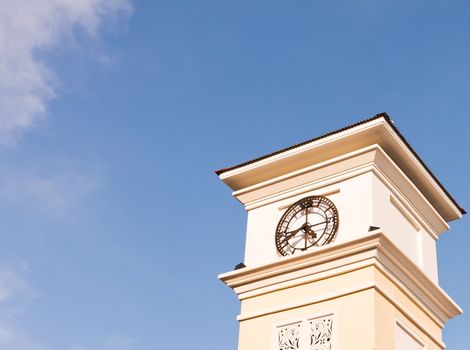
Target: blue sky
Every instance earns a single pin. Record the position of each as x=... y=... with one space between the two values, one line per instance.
x=115 y=113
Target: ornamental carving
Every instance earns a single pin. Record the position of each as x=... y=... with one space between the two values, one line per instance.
x=321 y=330
x=288 y=336
x=310 y=334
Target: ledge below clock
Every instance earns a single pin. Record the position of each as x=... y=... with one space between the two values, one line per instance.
x=383 y=268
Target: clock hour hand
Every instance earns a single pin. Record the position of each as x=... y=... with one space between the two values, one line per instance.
x=307 y=228
x=291 y=234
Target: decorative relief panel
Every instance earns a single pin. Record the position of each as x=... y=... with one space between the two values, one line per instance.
x=310 y=334
x=288 y=336
x=321 y=330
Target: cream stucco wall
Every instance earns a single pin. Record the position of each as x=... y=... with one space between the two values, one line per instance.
x=402 y=224
x=365 y=317
x=393 y=306
x=366 y=304
x=387 y=320
x=381 y=286
x=352 y=197
x=362 y=200
x=368 y=284
x=353 y=316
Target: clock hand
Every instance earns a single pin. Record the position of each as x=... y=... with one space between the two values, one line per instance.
x=291 y=234
x=307 y=229
x=305 y=238
x=318 y=223
x=311 y=233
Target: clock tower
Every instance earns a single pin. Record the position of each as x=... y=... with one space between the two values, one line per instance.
x=341 y=244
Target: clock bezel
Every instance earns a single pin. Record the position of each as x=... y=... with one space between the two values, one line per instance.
x=284 y=222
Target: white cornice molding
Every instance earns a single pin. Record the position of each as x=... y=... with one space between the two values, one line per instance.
x=344 y=292
x=378 y=131
x=368 y=159
x=307 y=169
x=300 y=150
x=407 y=155
x=374 y=249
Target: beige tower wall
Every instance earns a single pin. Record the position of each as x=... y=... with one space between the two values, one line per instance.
x=367 y=307
x=377 y=296
x=370 y=191
x=352 y=197
x=353 y=312
x=353 y=315
x=395 y=309
x=390 y=320
x=406 y=225
x=377 y=287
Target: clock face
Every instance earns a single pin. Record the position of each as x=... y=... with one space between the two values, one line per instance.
x=309 y=222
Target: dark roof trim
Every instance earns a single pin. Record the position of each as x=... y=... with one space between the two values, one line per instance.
x=462 y=210
x=378 y=116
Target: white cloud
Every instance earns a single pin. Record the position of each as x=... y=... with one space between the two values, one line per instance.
x=12 y=339
x=15 y=294
x=5 y=337
x=55 y=193
x=28 y=27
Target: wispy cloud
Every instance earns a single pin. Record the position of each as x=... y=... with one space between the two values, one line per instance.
x=28 y=30
x=29 y=27
x=13 y=339
x=52 y=192
x=15 y=292
x=15 y=296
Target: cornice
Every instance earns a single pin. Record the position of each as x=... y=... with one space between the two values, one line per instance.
x=375 y=131
x=334 y=171
x=326 y=262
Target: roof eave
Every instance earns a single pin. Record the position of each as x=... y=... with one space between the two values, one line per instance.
x=376 y=130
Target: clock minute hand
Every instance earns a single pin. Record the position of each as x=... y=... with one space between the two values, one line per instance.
x=318 y=223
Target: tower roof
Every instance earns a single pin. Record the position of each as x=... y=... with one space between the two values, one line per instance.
x=376 y=130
